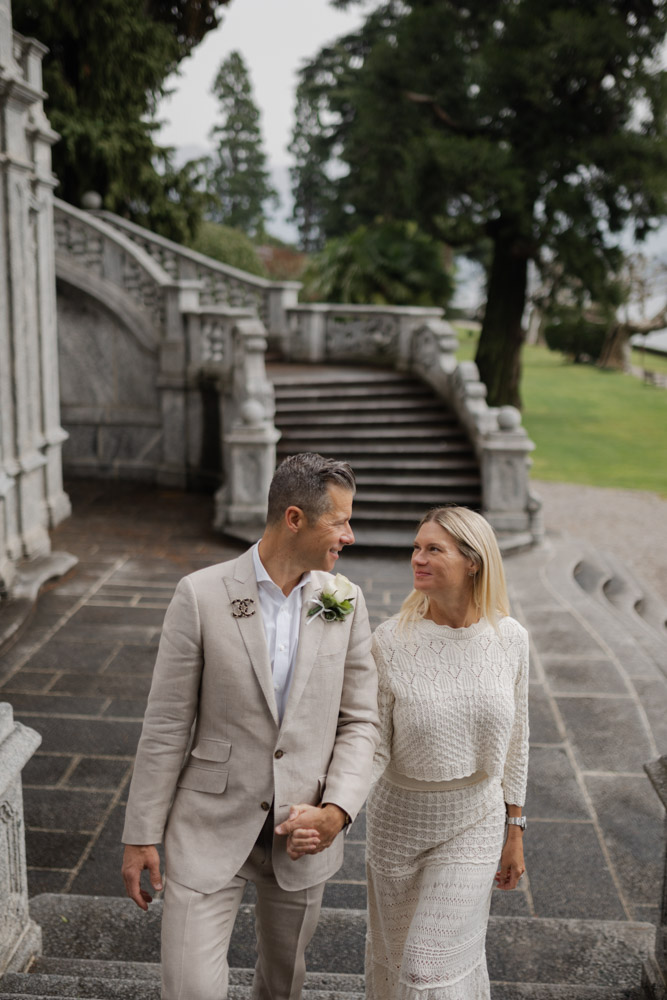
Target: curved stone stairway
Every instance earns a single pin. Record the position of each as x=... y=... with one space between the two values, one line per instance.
x=408 y=450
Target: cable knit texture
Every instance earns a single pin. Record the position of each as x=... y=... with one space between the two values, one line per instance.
x=452 y=702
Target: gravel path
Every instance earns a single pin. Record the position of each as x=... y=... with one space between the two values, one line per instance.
x=629 y=523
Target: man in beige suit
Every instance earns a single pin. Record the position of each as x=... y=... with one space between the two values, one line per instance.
x=259 y=717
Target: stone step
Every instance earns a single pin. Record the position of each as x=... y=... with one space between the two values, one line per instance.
x=409 y=400
x=380 y=408
x=337 y=390
x=333 y=376
x=433 y=465
x=417 y=448
x=600 y=954
x=550 y=991
x=425 y=495
x=309 y=436
x=426 y=480
x=109 y=987
x=426 y=415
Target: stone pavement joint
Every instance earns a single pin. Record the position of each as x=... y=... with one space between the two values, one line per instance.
x=80 y=674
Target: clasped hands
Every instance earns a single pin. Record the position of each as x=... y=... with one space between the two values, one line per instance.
x=311 y=829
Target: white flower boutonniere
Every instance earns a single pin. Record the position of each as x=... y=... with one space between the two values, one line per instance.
x=333 y=604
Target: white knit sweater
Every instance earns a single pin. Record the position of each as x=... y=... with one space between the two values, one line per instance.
x=454 y=701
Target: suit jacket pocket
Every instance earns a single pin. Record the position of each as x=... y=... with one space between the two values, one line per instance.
x=218 y=750
x=203 y=779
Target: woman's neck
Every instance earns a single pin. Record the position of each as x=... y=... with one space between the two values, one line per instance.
x=459 y=613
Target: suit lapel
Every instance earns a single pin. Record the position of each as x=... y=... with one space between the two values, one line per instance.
x=241 y=586
x=310 y=637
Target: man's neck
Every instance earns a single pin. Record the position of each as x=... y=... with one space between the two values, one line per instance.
x=280 y=563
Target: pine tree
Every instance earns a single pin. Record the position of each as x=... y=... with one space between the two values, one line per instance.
x=237 y=175
x=104 y=75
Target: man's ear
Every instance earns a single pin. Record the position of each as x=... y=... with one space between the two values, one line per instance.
x=294 y=519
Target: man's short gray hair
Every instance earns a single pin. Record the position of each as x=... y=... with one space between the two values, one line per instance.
x=303 y=481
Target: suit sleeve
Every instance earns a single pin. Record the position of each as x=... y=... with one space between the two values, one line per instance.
x=349 y=773
x=170 y=714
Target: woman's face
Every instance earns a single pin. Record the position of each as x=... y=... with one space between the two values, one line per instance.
x=437 y=564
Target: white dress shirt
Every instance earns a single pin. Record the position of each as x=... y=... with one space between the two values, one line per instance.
x=281 y=617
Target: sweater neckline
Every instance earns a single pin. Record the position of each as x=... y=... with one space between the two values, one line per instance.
x=454 y=633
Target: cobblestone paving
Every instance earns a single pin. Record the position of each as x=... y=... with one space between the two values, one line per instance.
x=81 y=671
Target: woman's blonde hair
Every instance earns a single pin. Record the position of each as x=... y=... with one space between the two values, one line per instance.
x=475 y=540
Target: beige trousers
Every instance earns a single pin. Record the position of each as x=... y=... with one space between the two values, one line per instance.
x=197 y=927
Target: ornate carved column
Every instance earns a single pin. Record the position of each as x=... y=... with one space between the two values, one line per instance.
x=20 y=937
x=31 y=494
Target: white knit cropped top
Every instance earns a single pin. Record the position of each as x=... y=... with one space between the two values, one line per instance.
x=454 y=701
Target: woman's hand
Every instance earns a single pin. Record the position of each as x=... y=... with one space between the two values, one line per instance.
x=512 y=865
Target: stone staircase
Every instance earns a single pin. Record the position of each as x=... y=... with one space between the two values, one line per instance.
x=104 y=948
x=408 y=450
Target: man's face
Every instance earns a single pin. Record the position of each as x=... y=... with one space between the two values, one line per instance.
x=321 y=541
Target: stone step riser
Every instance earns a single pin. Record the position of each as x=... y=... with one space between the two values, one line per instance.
x=39 y=985
x=416 y=448
x=353 y=433
x=423 y=418
x=372 y=404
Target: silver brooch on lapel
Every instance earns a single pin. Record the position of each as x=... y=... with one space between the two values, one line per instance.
x=242 y=607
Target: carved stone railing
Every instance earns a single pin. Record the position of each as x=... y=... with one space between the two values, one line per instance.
x=419 y=341
x=20 y=937
x=654 y=981
x=220 y=284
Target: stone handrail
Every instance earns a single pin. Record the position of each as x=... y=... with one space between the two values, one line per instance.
x=220 y=283
x=420 y=342
x=107 y=254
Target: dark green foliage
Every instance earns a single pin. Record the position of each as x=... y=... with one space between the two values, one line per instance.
x=230 y=246
x=536 y=126
x=237 y=175
x=104 y=75
x=384 y=263
x=576 y=337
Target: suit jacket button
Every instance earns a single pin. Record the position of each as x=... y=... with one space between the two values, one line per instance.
x=278 y=754
x=265 y=806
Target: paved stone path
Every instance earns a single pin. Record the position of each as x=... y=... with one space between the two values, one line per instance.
x=81 y=670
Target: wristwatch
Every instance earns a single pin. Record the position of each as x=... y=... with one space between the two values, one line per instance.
x=519 y=821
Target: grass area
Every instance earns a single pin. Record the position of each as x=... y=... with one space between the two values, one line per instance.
x=591 y=426
x=650 y=362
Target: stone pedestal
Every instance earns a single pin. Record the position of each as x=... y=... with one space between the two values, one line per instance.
x=20 y=937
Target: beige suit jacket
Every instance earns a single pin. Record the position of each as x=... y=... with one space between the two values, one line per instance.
x=213 y=753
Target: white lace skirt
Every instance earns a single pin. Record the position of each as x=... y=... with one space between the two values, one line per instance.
x=431 y=857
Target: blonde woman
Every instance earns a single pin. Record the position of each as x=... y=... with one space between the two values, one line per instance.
x=450 y=769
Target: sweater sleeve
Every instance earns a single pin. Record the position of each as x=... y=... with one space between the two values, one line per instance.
x=385 y=710
x=515 y=773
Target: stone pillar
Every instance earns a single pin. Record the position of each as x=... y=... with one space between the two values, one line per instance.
x=20 y=937
x=249 y=436
x=505 y=470
x=31 y=494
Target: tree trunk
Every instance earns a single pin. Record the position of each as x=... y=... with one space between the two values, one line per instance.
x=615 y=351
x=499 y=351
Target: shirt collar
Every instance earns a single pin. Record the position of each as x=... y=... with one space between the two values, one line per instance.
x=263 y=577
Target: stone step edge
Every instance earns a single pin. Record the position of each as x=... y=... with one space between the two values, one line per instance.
x=91 y=968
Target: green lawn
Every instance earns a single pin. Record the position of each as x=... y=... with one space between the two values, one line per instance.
x=591 y=426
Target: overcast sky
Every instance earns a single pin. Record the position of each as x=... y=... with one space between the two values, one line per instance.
x=274 y=37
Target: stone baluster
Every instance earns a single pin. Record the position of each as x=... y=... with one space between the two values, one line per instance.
x=249 y=436
x=20 y=937
x=654 y=978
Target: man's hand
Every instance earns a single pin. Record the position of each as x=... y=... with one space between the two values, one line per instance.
x=135 y=858
x=311 y=829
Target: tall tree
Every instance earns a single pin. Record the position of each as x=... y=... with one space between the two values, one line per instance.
x=237 y=174
x=104 y=75
x=536 y=125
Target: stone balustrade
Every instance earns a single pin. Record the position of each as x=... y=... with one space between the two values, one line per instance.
x=220 y=283
x=419 y=341
x=20 y=937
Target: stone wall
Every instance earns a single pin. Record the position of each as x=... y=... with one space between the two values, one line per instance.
x=31 y=493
